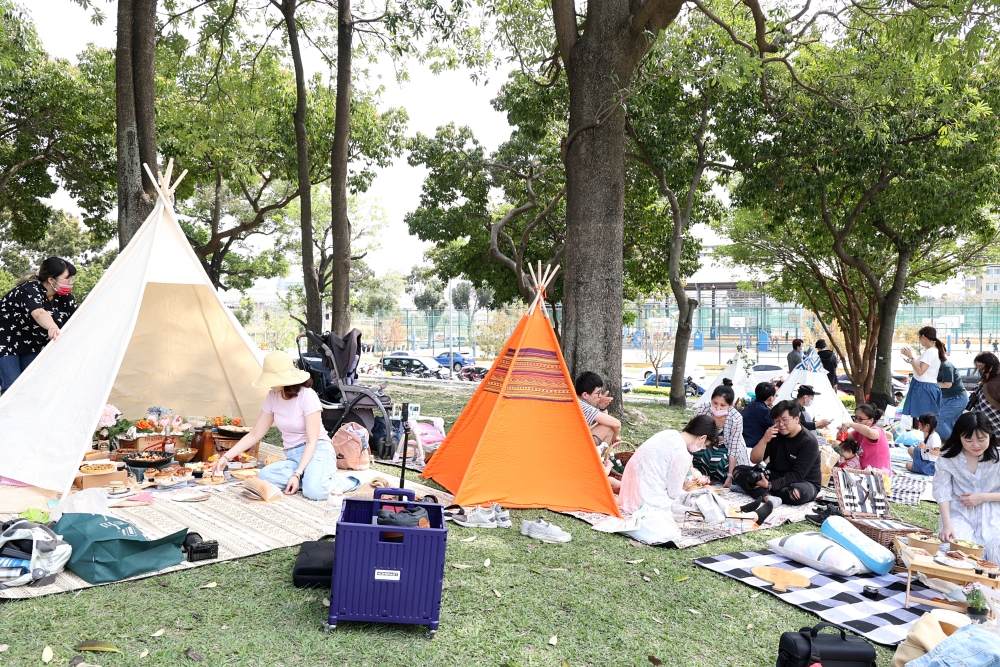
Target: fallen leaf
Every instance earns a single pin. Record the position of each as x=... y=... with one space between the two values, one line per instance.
x=496 y=592
x=646 y=579
x=750 y=626
x=47 y=654
x=210 y=584
x=636 y=544
x=536 y=571
x=635 y=562
x=3 y=647
x=197 y=617
x=755 y=595
x=594 y=552
x=470 y=539
x=309 y=599
x=260 y=565
x=189 y=652
x=657 y=620
x=97 y=646
x=655 y=570
x=553 y=640
x=728 y=616
x=224 y=627
x=326 y=602
x=162 y=582
x=653 y=659
x=695 y=611
x=557 y=569
x=158 y=632
x=680 y=579
x=447 y=586
x=586 y=565
x=144 y=653
x=461 y=566
x=486 y=563
x=77 y=660
x=565 y=663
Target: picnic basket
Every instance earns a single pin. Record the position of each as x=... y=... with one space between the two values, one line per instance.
x=619 y=453
x=864 y=502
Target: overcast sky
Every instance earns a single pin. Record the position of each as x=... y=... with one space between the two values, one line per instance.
x=65 y=30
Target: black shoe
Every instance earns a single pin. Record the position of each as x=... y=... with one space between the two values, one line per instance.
x=751 y=506
x=816 y=519
x=412 y=517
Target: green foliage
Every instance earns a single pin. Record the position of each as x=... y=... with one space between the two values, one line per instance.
x=370 y=293
x=7 y=282
x=849 y=402
x=58 y=128
x=245 y=311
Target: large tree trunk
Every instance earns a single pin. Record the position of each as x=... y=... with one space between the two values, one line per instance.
x=340 y=223
x=314 y=313
x=881 y=394
x=602 y=61
x=685 y=315
x=135 y=113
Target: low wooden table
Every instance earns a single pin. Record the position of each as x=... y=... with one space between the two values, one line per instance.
x=917 y=564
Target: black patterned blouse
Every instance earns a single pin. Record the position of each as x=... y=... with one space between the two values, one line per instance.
x=19 y=333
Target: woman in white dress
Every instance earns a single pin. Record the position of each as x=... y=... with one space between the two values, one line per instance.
x=967 y=484
x=659 y=474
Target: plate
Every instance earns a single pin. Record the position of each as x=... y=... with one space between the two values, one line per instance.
x=963 y=564
x=103 y=471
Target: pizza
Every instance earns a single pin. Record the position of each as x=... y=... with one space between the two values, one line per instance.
x=97 y=468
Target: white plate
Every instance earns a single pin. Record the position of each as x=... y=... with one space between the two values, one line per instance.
x=963 y=564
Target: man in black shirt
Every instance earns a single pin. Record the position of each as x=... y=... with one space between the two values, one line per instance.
x=792 y=456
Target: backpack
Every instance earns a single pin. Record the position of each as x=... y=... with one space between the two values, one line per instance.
x=47 y=554
x=712 y=461
x=351 y=445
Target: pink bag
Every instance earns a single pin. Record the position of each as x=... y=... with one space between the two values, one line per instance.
x=351 y=445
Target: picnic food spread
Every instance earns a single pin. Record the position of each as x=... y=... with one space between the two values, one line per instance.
x=97 y=468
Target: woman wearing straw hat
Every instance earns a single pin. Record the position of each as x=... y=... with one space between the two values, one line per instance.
x=292 y=406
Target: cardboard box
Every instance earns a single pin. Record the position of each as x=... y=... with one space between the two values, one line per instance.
x=90 y=481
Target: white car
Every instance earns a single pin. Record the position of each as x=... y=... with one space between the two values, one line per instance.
x=768 y=372
x=697 y=373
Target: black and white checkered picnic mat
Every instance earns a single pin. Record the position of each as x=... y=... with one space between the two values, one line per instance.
x=832 y=598
x=906 y=490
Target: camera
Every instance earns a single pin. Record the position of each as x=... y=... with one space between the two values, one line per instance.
x=757 y=473
x=196 y=548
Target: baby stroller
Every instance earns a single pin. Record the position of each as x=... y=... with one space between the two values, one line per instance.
x=334 y=372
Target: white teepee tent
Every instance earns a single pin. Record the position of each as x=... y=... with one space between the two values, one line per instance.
x=152 y=332
x=736 y=370
x=826 y=403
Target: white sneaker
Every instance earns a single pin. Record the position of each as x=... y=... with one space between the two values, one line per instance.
x=544 y=531
x=479 y=517
x=502 y=516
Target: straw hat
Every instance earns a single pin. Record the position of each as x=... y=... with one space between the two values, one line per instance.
x=279 y=372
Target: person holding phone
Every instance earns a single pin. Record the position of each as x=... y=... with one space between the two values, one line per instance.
x=925 y=394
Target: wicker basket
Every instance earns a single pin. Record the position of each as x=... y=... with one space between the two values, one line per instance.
x=622 y=451
x=871 y=516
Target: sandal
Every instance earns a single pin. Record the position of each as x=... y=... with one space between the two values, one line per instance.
x=459 y=511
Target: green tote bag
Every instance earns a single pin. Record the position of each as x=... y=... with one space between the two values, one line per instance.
x=109 y=549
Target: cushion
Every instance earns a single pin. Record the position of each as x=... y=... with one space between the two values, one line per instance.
x=877 y=558
x=818 y=552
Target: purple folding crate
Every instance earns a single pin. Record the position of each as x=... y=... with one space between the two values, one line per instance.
x=380 y=581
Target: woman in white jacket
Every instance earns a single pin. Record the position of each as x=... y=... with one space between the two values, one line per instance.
x=659 y=474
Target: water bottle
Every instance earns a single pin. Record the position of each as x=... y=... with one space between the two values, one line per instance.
x=331 y=511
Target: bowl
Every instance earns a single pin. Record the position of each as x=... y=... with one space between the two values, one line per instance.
x=197 y=422
x=931 y=544
x=975 y=551
x=184 y=455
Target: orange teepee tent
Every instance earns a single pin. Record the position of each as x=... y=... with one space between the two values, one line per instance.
x=522 y=440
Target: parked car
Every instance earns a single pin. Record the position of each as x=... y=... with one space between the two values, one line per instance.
x=473 y=373
x=970 y=377
x=457 y=360
x=696 y=372
x=845 y=385
x=692 y=388
x=415 y=366
x=768 y=372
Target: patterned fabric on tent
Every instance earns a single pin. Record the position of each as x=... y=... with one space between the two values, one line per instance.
x=826 y=404
x=522 y=440
x=811 y=363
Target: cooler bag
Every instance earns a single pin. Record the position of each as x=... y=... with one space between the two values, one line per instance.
x=807 y=648
x=314 y=565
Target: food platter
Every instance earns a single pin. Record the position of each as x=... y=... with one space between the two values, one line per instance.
x=147 y=459
x=963 y=564
x=97 y=468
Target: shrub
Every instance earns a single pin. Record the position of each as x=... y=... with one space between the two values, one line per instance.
x=849 y=403
x=651 y=391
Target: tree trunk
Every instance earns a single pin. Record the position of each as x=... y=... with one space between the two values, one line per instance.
x=135 y=113
x=602 y=63
x=685 y=315
x=340 y=223
x=314 y=315
x=881 y=394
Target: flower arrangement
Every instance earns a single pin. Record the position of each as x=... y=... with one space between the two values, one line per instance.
x=227 y=421
x=974 y=597
x=111 y=424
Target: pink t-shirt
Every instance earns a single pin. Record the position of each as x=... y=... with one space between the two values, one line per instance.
x=874 y=453
x=290 y=416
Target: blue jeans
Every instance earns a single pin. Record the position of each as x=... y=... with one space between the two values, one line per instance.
x=969 y=647
x=921 y=466
x=951 y=410
x=11 y=366
x=319 y=476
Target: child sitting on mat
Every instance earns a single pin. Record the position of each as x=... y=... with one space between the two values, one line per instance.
x=926 y=453
x=849 y=455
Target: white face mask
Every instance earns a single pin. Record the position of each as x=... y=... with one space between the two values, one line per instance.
x=697 y=445
x=720 y=413
x=809 y=402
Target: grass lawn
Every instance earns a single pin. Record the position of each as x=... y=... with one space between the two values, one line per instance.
x=584 y=593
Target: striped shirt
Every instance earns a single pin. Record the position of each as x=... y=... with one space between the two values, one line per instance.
x=589 y=412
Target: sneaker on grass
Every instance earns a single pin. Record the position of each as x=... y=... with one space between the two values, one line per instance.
x=502 y=516
x=479 y=517
x=541 y=529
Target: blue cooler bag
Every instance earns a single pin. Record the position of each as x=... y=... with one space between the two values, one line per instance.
x=109 y=549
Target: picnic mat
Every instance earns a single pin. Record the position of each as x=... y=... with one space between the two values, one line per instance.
x=242 y=528
x=833 y=598
x=695 y=531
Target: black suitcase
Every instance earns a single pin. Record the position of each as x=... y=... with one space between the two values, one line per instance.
x=807 y=647
x=314 y=565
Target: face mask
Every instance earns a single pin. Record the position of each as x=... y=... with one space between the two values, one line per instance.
x=697 y=446
x=63 y=290
x=809 y=402
x=720 y=413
